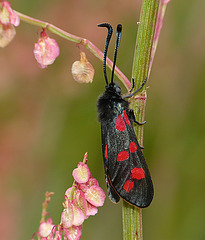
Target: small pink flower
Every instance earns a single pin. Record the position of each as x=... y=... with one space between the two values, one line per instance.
x=45 y=228
x=92 y=181
x=68 y=193
x=91 y=210
x=8 y=18
x=67 y=215
x=46 y=50
x=81 y=202
x=7 y=33
x=82 y=173
x=95 y=195
x=7 y=14
x=58 y=235
x=78 y=216
x=74 y=232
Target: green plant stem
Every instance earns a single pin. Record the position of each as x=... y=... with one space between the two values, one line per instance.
x=79 y=40
x=132 y=216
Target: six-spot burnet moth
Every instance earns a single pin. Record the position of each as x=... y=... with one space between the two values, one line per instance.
x=126 y=172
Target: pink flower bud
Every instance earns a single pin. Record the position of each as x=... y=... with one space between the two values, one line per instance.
x=82 y=173
x=83 y=71
x=67 y=215
x=46 y=50
x=92 y=181
x=58 y=235
x=68 y=193
x=74 y=232
x=7 y=33
x=45 y=228
x=7 y=14
x=81 y=202
x=78 y=216
x=91 y=210
x=95 y=195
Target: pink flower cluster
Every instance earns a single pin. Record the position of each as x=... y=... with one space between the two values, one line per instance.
x=46 y=50
x=81 y=201
x=8 y=19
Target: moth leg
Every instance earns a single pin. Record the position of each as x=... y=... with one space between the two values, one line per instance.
x=132 y=115
x=133 y=93
x=133 y=85
x=142 y=123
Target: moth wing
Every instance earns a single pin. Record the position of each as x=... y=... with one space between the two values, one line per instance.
x=112 y=194
x=127 y=171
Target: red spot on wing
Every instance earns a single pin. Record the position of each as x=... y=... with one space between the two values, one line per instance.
x=124 y=155
x=128 y=185
x=106 y=152
x=120 y=124
x=126 y=117
x=138 y=173
x=133 y=147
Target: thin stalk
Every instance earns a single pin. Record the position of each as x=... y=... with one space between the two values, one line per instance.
x=159 y=23
x=132 y=216
x=73 y=38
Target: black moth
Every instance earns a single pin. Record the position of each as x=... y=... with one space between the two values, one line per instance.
x=126 y=172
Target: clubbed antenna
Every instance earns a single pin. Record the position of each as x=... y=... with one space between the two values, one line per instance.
x=109 y=35
x=119 y=31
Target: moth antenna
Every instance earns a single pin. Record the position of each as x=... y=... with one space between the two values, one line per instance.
x=119 y=31
x=109 y=35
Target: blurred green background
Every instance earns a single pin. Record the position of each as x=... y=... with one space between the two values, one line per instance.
x=48 y=121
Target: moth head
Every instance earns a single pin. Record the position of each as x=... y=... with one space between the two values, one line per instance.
x=113 y=88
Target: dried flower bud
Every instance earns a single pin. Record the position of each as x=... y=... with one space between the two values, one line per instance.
x=46 y=50
x=83 y=71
